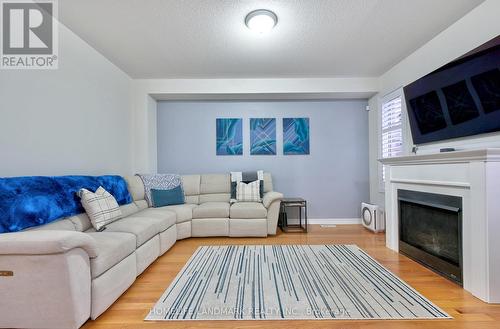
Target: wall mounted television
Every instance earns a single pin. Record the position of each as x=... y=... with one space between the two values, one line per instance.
x=459 y=99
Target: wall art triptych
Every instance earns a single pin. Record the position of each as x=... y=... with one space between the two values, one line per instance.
x=229 y=136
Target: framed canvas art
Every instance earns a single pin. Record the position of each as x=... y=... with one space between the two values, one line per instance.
x=263 y=136
x=295 y=136
x=229 y=136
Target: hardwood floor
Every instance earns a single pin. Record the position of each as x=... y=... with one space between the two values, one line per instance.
x=467 y=311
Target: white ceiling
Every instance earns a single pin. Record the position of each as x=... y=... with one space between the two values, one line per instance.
x=208 y=38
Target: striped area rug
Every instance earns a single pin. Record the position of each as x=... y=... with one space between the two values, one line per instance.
x=276 y=282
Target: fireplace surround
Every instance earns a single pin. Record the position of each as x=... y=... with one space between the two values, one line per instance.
x=474 y=177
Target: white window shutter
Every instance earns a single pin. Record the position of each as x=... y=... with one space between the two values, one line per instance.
x=392 y=130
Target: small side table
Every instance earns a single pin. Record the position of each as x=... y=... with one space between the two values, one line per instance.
x=299 y=203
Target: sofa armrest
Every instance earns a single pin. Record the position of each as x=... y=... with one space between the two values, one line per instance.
x=270 y=197
x=48 y=275
x=46 y=242
x=272 y=201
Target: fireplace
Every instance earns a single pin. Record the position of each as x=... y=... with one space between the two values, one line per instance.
x=430 y=231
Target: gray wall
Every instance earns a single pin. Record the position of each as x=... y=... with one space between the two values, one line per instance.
x=73 y=120
x=333 y=178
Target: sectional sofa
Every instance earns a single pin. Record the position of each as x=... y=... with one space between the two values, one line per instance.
x=61 y=274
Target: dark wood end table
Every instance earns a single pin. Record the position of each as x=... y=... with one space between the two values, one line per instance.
x=299 y=203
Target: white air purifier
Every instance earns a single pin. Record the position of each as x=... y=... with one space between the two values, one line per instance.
x=372 y=217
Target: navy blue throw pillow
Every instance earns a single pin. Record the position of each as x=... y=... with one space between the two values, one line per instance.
x=161 y=198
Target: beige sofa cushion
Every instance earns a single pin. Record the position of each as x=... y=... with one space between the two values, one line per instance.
x=215 y=197
x=167 y=218
x=184 y=212
x=191 y=184
x=239 y=227
x=202 y=227
x=192 y=199
x=81 y=222
x=143 y=228
x=212 y=210
x=248 y=210
x=141 y=204
x=135 y=187
x=113 y=248
x=268 y=182
x=129 y=209
x=215 y=183
x=60 y=225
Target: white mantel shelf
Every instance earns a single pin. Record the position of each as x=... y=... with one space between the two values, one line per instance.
x=472 y=175
x=490 y=154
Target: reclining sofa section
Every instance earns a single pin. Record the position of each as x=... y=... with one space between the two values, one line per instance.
x=65 y=272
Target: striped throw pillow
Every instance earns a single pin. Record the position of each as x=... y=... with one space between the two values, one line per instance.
x=246 y=177
x=100 y=206
x=249 y=192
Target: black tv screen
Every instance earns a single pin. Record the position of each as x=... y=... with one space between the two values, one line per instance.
x=459 y=99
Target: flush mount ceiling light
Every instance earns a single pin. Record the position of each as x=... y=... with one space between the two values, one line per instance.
x=261 y=20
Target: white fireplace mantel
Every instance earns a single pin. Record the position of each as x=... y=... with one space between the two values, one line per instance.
x=474 y=176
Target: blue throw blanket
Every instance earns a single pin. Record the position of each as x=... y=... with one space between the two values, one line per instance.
x=38 y=200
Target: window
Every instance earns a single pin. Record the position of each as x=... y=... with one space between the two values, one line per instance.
x=391 y=129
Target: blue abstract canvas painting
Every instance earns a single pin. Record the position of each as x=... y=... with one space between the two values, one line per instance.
x=263 y=136
x=229 y=136
x=295 y=136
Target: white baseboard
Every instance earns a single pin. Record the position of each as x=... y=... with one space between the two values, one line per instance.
x=335 y=221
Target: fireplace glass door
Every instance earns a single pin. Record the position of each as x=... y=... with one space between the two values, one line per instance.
x=431 y=231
